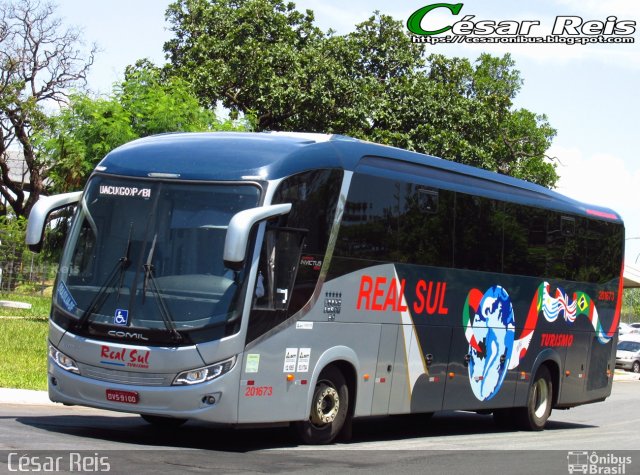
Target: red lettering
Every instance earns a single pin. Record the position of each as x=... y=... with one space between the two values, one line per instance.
x=442 y=310
x=104 y=352
x=430 y=298
x=418 y=305
x=553 y=340
x=366 y=284
x=431 y=309
x=401 y=306
x=392 y=296
x=378 y=292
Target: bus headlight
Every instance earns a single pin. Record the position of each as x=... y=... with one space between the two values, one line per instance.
x=201 y=375
x=65 y=362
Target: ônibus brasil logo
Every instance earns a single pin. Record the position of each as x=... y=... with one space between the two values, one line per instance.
x=567 y=29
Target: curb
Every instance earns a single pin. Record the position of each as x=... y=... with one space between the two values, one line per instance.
x=25 y=396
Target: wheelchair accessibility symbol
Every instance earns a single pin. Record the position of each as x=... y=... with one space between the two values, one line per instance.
x=121 y=317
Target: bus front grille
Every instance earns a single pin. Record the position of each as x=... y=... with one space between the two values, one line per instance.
x=125 y=377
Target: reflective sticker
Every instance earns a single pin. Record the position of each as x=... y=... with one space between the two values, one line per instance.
x=65 y=297
x=303 y=360
x=121 y=317
x=253 y=363
x=304 y=325
x=290 y=359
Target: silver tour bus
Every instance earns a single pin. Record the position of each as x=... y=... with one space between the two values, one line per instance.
x=249 y=278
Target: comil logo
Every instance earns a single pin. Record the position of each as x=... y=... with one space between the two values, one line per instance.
x=594 y=463
x=460 y=27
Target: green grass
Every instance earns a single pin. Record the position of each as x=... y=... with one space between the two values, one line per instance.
x=23 y=343
x=23 y=353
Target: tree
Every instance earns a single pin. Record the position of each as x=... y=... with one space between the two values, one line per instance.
x=145 y=103
x=249 y=55
x=263 y=56
x=40 y=62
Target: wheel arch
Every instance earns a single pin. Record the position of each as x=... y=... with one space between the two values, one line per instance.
x=550 y=359
x=346 y=360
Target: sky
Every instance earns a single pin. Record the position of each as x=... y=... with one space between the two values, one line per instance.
x=588 y=92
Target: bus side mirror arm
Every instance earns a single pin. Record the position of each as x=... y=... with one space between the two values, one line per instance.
x=41 y=211
x=239 y=230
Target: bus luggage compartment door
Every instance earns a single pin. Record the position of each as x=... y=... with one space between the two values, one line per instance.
x=384 y=370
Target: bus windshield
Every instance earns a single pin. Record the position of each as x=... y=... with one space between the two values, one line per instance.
x=149 y=255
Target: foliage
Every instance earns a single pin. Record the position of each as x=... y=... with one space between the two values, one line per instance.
x=39 y=62
x=145 y=103
x=266 y=58
x=17 y=264
x=631 y=306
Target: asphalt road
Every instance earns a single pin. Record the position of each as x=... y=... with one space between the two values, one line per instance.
x=87 y=440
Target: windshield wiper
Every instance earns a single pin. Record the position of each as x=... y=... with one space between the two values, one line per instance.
x=116 y=275
x=162 y=305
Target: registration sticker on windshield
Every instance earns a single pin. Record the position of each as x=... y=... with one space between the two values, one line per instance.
x=128 y=191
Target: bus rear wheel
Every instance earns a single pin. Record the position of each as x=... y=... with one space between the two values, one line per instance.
x=329 y=409
x=539 y=402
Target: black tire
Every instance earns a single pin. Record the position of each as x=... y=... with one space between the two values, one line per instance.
x=636 y=367
x=539 y=402
x=163 y=422
x=329 y=409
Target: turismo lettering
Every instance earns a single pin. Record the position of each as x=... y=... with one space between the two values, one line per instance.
x=381 y=294
x=553 y=340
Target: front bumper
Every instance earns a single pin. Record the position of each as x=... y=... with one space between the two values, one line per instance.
x=189 y=402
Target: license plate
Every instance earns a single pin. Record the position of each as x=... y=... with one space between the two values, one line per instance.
x=127 y=397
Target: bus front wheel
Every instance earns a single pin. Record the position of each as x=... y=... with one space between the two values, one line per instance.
x=539 y=402
x=329 y=409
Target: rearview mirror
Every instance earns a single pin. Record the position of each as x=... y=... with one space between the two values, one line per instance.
x=239 y=230
x=41 y=211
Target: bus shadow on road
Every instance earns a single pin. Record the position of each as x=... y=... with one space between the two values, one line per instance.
x=124 y=432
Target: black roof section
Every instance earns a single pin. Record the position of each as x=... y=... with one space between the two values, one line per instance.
x=234 y=156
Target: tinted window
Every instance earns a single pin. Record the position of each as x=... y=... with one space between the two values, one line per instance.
x=390 y=220
x=525 y=240
x=314 y=198
x=478 y=235
x=399 y=222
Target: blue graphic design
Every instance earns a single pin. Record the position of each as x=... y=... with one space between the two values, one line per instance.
x=494 y=333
